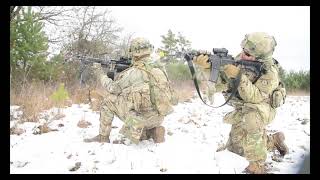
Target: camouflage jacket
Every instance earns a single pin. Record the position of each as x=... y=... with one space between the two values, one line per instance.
x=141 y=84
x=253 y=95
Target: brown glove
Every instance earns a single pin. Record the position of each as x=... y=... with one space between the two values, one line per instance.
x=231 y=71
x=202 y=61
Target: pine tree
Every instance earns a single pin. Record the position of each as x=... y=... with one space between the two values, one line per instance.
x=170 y=43
x=28 y=44
x=59 y=97
x=174 y=45
x=56 y=67
x=183 y=43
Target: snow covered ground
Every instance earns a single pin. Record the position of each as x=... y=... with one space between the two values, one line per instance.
x=193 y=133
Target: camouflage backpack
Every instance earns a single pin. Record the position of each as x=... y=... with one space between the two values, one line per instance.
x=161 y=92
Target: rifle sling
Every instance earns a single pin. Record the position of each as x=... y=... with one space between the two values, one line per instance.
x=234 y=90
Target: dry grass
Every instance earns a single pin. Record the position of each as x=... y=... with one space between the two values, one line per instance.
x=184 y=90
x=77 y=94
x=33 y=99
x=92 y=96
x=96 y=97
x=299 y=93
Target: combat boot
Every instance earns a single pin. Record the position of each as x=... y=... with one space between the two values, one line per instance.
x=144 y=135
x=157 y=134
x=278 y=142
x=99 y=138
x=255 y=167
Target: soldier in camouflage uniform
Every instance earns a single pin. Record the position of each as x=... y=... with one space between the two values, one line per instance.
x=140 y=96
x=255 y=103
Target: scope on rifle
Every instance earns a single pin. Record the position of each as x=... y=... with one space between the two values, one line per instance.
x=220 y=51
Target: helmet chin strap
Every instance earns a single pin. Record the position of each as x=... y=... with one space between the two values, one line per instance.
x=138 y=58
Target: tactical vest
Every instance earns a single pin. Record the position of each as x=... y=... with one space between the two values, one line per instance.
x=277 y=97
x=161 y=93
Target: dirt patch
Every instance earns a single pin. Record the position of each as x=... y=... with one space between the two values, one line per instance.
x=43 y=129
x=76 y=166
x=184 y=90
x=83 y=124
x=16 y=131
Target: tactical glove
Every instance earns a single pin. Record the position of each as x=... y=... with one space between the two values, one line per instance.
x=202 y=61
x=231 y=71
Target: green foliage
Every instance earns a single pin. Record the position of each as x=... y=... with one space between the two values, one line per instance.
x=174 y=43
x=178 y=71
x=183 y=43
x=55 y=68
x=60 y=95
x=28 y=45
x=297 y=80
x=170 y=42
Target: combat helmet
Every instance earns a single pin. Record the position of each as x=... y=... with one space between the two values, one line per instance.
x=259 y=44
x=140 y=47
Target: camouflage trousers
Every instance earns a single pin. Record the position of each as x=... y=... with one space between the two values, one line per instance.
x=135 y=123
x=248 y=137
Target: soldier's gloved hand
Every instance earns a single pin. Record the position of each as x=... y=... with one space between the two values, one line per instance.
x=96 y=66
x=202 y=61
x=231 y=71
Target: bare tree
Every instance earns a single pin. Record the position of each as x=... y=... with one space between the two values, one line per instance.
x=57 y=19
x=93 y=32
x=14 y=11
x=82 y=24
x=123 y=47
x=54 y=14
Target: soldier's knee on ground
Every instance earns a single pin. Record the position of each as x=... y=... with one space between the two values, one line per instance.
x=132 y=133
x=132 y=129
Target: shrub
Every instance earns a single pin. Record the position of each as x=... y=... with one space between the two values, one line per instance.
x=178 y=71
x=297 y=80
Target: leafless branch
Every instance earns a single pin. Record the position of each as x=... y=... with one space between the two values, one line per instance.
x=14 y=11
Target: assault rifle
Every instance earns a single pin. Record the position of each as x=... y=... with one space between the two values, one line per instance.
x=220 y=57
x=112 y=66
